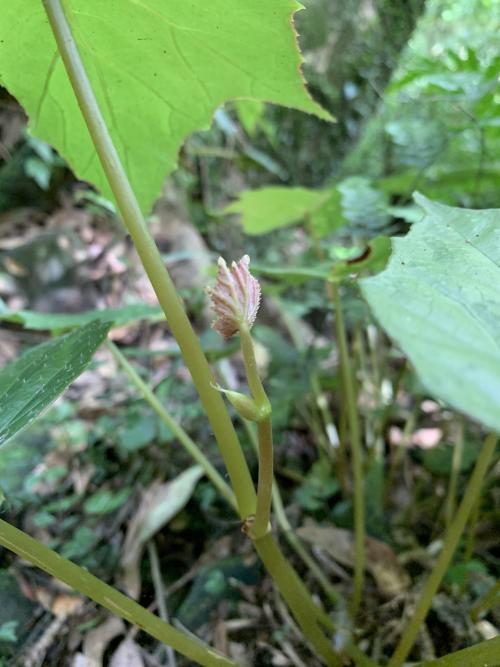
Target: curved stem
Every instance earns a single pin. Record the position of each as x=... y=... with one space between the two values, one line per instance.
x=356 y=453
x=189 y=445
x=147 y=250
x=254 y=382
x=265 y=437
x=453 y=535
x=82 y=581
x=297 y=597
x=288 y=532
x=294 y=541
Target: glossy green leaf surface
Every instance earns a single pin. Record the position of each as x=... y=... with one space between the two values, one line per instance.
x=267 y=209
x=32 y=382
x=439 y=298
x=159 y=70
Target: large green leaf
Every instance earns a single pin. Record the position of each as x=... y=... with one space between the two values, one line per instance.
x=32 y=382
x=440 y=299
x=159 y=69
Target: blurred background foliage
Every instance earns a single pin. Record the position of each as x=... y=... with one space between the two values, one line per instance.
x=415 y=88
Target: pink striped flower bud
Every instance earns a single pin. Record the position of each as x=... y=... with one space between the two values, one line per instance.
x=235 y=297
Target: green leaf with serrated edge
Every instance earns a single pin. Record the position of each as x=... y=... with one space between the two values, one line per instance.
x=62 y=321
x=439 y=299
x=32 y=382
x=267 y=209
x=159 y=70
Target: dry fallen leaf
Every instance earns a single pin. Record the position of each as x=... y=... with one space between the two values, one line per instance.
x=381 y=561
x=159 y=505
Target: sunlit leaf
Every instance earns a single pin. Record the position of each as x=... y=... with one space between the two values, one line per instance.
x=159 y=70
x=271 y=208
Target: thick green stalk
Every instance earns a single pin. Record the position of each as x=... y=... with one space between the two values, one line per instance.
x=289 y=534
x=82 y=581
x=189 y=445
x=287 y=580
x=168 y=298
x=451 y=540
x=349 y=396
x=296 y=596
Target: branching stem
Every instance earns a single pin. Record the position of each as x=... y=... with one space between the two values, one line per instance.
x=265 y=437
x=287 y=580
x=149 y=254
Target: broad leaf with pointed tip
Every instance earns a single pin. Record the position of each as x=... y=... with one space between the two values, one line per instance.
x=159 y=70
x=32 y=382
x=439 y=298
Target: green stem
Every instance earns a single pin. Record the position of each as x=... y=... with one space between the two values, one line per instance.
x=265 y=437
x=356 y=452
x=82 y=581
x=451 y=540
x=252 y=372
x=189 y=445
x=161 y=281
x=160 y=596
x=456 y=463
x=489 y=600
x=296 y=596
x=470 y=540
x=294 y=541
x=293 y=590
x=265 y=483
x=289 y=534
